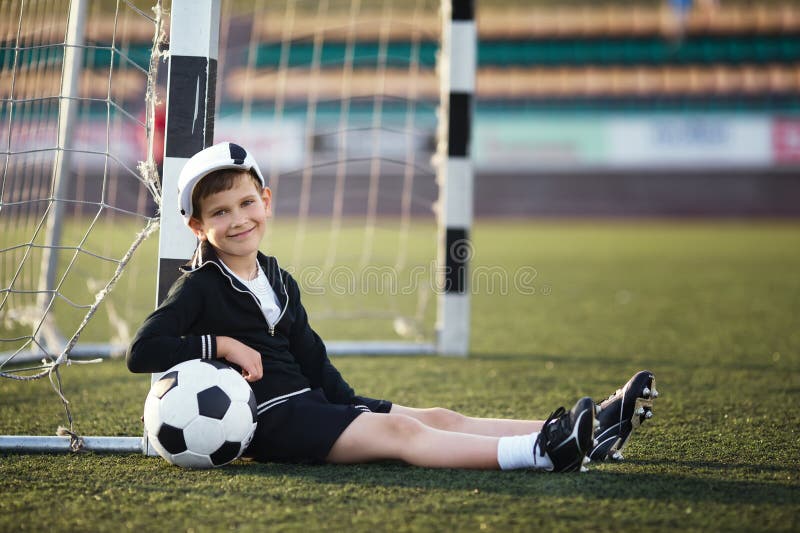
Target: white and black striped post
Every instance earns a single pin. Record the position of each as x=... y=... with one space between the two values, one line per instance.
x=191 y=96
x=455 y=176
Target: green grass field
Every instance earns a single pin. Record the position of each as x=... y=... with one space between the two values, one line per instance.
x=711 y=307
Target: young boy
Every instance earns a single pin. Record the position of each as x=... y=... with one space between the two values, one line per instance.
x=234 y=303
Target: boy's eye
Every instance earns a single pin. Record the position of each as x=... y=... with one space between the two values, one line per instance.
x=247 y=202
x=218 y=213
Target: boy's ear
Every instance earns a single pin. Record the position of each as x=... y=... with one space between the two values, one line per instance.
x=197 y=228
x=266 y=197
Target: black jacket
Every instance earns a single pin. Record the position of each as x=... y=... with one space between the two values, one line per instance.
x=207 y=301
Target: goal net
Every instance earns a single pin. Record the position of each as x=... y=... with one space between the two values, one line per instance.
x=348 y=107
x=339 y=98
x=78 y=186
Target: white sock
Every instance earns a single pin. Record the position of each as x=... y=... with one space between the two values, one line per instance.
x=518 y=452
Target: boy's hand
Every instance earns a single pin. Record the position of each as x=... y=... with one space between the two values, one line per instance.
x=242 y=355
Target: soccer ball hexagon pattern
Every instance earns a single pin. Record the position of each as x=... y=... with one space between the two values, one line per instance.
x=200 y=414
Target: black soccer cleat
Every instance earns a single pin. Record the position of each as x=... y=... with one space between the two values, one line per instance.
x=621 y=413
x=566 y=437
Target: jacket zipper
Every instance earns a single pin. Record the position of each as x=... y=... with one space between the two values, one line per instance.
x=271 y=327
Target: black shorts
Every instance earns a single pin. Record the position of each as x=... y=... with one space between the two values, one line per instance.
x=305 y=427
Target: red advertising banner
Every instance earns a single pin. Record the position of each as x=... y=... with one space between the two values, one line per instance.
x=786 y=141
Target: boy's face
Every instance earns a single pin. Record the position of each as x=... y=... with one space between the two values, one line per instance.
x=234 y=221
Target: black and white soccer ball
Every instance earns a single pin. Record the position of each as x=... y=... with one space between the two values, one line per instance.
x=200 y=414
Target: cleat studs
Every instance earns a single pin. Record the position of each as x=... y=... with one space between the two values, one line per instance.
x=655 y=393
x=584 y=469
x=597 y=409
x=646 y=392
x=648 y=414
x=617 y=456
x=586 y=460
x=595 y=442
x=639 y=411
x=596 y=423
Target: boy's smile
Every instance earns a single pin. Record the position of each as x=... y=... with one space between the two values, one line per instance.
x=243 y=235
x=233 y=222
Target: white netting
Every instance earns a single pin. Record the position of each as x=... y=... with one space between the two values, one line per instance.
x=79 y=184
x=338 y=99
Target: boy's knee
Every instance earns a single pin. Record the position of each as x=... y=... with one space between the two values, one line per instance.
x=403 y=426
x=445 y=418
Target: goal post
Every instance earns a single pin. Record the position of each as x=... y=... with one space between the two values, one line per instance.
x=189 y=128
x=191 y=100
x=459 y=57
x=48 y=334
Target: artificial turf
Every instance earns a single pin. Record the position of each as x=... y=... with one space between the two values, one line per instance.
x=710 y=307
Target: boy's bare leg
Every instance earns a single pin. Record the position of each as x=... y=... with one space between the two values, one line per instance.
x=448 y=420
x=375 y=436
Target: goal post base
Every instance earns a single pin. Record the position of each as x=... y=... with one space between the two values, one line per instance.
x=44 y=444
x=77 y=352
x=379 y=348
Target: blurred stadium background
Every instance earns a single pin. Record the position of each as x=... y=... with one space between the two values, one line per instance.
x=607 y=108
x=583 y=108
x=600 y=108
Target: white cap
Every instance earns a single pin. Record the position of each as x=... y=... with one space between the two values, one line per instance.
x=220 y=156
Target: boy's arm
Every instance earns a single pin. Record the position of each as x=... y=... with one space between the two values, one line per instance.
x=309 y=351
x=163 y=340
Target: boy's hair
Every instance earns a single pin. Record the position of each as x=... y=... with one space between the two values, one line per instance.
x=218 y=181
